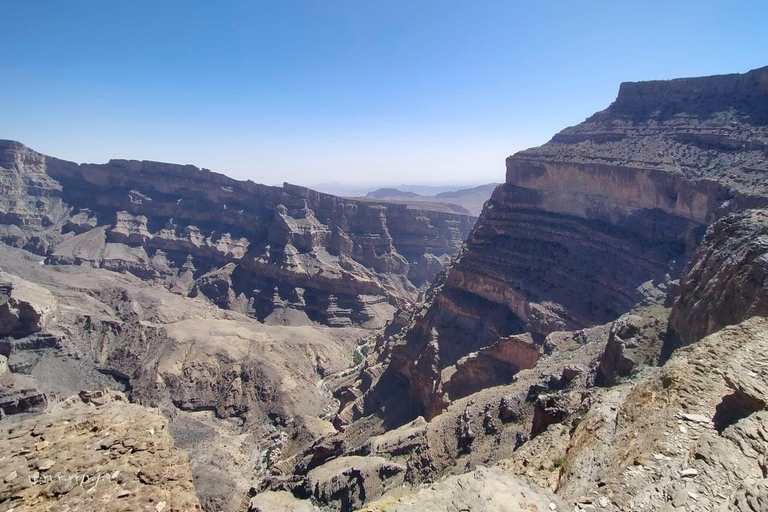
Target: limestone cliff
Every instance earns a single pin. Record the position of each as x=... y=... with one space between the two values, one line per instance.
x=597 y=221
x=266 y=251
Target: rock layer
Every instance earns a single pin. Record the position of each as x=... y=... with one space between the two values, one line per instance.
x=250 y=247
x=588 y=225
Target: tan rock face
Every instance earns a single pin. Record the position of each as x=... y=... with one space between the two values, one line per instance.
x=114 y=456
x=489 y=366
x=25 y=307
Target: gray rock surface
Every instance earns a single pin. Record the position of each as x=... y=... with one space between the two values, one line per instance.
x=487 y=489
x=105 y=455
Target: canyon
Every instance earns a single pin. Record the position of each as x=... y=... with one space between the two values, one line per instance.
x=222 y=303
x=595 y=341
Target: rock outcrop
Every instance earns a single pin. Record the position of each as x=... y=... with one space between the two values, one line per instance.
x=727 y=281
x=25 y=307
x=257 y=249
x=599 y=220
x=347 y=482
x=94 y=452
x=691 y=433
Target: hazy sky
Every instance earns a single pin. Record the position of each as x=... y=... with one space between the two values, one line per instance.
x=357 y=91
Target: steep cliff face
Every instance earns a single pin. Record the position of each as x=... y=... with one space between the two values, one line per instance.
x=599 y=220
x=281 y=254
x=727 y=280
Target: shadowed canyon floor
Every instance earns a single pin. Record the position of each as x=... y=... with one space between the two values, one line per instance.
x=597 y=343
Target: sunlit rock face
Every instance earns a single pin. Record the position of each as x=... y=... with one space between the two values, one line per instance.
x=595 y=222
x=281 y=254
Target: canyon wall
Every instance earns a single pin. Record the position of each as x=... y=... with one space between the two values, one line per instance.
x=601 y=324
x=281 y=254
x=601 y=219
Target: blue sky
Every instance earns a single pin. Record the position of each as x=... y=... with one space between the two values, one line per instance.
x=355 y=91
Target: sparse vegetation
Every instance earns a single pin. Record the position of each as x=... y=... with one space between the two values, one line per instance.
x=268 y=458
x=359 y=354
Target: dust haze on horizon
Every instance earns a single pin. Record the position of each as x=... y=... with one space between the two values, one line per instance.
x=365 y=95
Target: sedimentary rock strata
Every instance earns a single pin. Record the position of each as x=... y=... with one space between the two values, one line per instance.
x=555 y=345
x=606 y=213
x=257 y=249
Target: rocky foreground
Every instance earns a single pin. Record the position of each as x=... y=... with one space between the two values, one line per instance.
x=95 y=452
x=599 y=343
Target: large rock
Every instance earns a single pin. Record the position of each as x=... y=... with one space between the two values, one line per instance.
x=633 y=340
x=112 y=456
x=25 y=307
x=19 y=394
x=727 y=280
x=346 y=483
x=486 y=489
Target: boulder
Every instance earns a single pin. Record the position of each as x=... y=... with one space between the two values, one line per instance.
x=25 y=307
x=346 y=483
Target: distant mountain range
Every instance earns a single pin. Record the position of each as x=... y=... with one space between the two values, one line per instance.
x=471 y=199
x=357 y=189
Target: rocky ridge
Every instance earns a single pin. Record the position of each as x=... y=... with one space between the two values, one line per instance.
x=266 y=251
x=598 y=220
